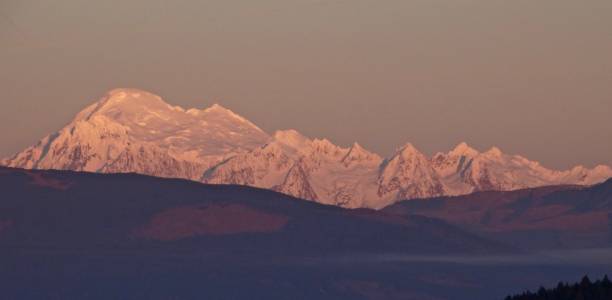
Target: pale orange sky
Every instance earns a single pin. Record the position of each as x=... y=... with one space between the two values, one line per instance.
x=532 y=77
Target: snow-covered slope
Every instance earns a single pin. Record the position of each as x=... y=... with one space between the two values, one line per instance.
x=310 y=169
x=318 y=170
x=409 y=174
x=131 y=130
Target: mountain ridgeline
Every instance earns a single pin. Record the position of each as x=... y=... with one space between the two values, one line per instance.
x=552 y=217
x=77 y=235
x=65 y=209
x=74 y=235
x=130 y=130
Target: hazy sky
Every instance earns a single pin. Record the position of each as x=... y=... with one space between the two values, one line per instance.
x=532 y=77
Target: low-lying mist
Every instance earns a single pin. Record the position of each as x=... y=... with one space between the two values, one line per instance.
x=599 y=256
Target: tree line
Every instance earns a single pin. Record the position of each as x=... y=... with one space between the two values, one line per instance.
x=585 y=290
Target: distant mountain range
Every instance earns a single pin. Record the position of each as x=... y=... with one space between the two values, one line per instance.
x=553 y=217
x=63 y=209
x=130 y=130
x=76 y=235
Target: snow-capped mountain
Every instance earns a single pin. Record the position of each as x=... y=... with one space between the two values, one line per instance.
x=130 y=130
x=465 y=170
x=409 y=174
x=310 y=169
x=317 y=170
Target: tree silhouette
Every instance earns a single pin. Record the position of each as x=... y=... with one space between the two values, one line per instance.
x=585 y=290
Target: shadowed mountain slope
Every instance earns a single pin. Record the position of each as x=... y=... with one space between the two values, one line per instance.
x=67 y=235
x=547 y=217
x=65 y=210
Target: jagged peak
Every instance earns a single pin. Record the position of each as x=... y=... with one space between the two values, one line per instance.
x=326 y=146
x=463 y=149
x=408 y=147
x=357 y=148
x=357 y=152
x=408 y=150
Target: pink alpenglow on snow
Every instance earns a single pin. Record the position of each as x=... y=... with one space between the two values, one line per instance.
x=130 y=130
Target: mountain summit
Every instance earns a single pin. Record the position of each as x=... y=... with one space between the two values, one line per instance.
x=463 y=149
x=130 y=130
